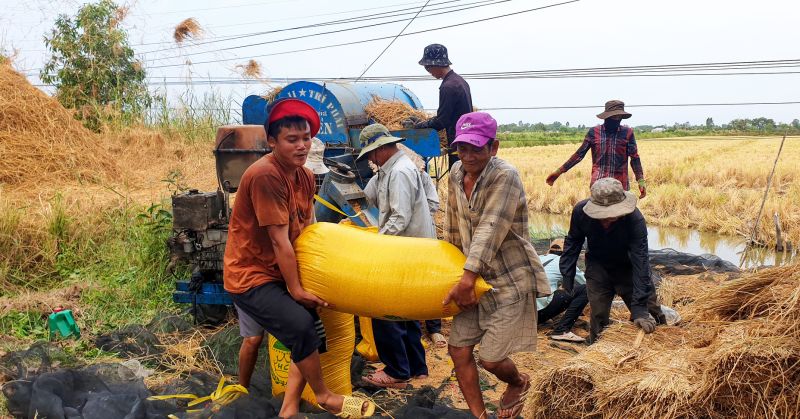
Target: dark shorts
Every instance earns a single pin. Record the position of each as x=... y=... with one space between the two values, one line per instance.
x=295 y=326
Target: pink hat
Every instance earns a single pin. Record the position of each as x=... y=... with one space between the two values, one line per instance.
x=475 y=128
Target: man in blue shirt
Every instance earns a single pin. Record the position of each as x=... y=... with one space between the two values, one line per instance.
x=560 y=301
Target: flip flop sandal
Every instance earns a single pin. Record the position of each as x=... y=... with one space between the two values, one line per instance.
x=353 y=407
x=388 y=382
x=516 y=406
x=438 y=340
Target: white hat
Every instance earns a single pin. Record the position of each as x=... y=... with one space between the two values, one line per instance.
x=314 y=160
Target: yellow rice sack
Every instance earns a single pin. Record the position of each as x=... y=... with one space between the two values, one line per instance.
x=341 y=338
x=380 y=276
x=366 y=347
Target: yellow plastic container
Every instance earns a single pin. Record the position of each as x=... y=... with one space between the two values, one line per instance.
x=380 y=276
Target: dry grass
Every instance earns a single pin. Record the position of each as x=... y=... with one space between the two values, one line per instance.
x=712 y=184
x=737 y=355
x=252 y=69
x=58 y=179
x=187 y=29
x=40 y=141
x=183 y=355
x=392 y=113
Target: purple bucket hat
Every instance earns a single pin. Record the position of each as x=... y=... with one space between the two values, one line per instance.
x=475 y=128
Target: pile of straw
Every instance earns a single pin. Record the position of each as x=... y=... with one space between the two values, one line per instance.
x=187 y=29
x=40 y=141
x=738 y=354
x=392 y=113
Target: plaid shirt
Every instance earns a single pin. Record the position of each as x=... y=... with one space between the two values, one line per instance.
x=609 y=155
x=491 y=228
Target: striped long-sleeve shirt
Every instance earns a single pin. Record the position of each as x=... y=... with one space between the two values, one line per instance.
x=610 y=154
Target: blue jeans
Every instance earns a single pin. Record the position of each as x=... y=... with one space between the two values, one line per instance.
x=399 y=348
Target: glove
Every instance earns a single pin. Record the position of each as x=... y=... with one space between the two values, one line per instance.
x=648 y=324
x=553 y=176
x=642 y=188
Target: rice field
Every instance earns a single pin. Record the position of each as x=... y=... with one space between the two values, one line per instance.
x=707 y=183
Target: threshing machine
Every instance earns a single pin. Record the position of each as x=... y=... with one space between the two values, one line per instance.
x=200 y=219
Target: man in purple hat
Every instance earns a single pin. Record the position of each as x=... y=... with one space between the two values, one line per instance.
x=611 y=144
x=487 y=217
x=455 y=98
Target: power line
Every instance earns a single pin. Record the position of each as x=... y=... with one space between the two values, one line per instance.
x=474 y=5
x=379 y=38
x=687 y=69
x=353 y=19
x=390 y=43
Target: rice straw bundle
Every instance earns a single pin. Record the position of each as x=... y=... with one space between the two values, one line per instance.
x=773 y=291
x=392 y=113
x=188 y=28
x=40 y=141
x=755 y=369
x=564 y=392
x=664 y=386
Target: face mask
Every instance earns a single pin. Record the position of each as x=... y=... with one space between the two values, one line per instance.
x=612 y=124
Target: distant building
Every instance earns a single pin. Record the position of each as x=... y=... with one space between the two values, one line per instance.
x=657 y=129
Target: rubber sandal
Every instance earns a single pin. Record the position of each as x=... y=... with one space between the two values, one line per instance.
x=438 y=340
x=353 y=407
x=516 y=406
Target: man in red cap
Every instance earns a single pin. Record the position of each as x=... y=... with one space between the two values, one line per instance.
x=273 y=204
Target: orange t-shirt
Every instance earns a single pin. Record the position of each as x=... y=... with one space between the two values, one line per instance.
x=266 y=197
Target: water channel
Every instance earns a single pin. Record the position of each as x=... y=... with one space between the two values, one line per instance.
x=729 y=248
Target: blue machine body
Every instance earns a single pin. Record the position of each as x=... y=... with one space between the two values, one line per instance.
x=341 y=112
x=341 y=108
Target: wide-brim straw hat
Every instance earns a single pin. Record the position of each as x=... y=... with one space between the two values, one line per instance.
x=374 y=136
x=613 y=108
x=609 y=200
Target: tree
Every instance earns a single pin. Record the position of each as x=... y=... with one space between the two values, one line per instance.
x=93 y=67
x=709 y=123
x=796 y=123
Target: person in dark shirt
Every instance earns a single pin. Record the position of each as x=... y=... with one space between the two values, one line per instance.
x=455 y=98
x=616 y=256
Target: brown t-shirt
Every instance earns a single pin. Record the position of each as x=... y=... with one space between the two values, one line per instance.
x=266 y=197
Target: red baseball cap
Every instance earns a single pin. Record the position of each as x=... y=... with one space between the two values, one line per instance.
x=294 y=107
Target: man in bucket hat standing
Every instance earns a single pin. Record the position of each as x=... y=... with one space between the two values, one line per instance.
x=398 y=190
x=487 y=218
x=273 y=204
x=616 y=256
x=455 y=98
x=611 y=144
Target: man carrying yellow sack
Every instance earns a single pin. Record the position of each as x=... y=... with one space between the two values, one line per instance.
x=273 y=204
x=487 y=217
x=398 y=190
